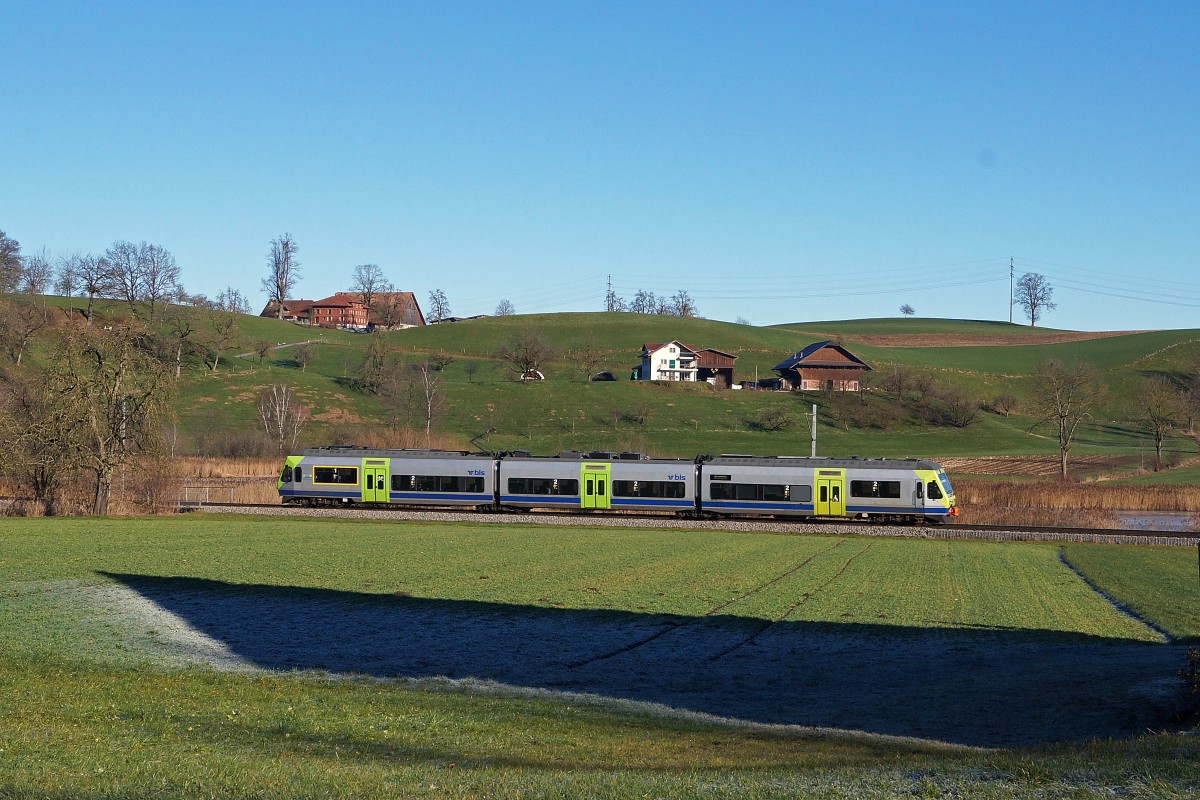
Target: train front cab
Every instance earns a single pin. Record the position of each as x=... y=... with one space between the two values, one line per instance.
x=935 y=495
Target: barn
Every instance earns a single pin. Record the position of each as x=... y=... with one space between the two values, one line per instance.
x=823 y=366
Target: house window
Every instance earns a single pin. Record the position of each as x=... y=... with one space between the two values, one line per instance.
x=672 y=363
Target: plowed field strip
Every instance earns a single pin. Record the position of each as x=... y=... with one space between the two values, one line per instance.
x=804 y=598
x=673 y=626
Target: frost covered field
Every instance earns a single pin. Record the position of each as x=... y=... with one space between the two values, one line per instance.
x=822 y=639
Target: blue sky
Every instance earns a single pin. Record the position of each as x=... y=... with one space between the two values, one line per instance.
x=779 y=161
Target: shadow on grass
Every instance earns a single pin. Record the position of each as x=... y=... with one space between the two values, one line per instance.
x=987 y=688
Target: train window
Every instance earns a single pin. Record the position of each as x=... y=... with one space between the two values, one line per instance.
x=436 y=483
x=758 y=491
x=286 y=475
x=297 y=474
x=674 y=489
x=772 y=492
x=552 y=486
x=800 y=493
x=935 y=491
x=338 y=475
x=887 y=489
x=920 y=491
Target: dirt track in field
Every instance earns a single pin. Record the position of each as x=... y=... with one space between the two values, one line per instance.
x=985 y=688
x=965 y=339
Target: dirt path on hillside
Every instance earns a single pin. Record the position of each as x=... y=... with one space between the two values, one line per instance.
x=963 y=339
x=986 y=688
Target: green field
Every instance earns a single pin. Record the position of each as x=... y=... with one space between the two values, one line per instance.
x=105 y=696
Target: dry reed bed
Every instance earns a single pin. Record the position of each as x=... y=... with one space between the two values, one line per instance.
x=1057 y=496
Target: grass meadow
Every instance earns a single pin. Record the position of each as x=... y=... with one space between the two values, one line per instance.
x=95 y=707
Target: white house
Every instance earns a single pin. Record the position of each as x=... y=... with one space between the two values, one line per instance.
x=668 y=361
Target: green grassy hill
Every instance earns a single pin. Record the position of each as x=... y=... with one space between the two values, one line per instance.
x=568 y=411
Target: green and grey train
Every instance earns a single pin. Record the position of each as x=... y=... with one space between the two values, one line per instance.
x=909 y=490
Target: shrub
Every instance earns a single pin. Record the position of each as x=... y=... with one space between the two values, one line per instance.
x=773 y=419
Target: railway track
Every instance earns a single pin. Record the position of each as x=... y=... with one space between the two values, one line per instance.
x=826 y=526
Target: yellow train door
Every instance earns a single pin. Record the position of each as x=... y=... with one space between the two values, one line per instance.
x=594 y=486
x=831 y=493
x=374 y=481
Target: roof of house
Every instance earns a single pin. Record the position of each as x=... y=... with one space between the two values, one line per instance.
x=809 y=357
x=289 y=307
x=338 y=300
x=650 y=347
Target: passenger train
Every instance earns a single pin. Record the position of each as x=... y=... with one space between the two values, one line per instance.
x=908 y=490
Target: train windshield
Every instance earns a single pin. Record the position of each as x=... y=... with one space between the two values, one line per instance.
x=945 y=482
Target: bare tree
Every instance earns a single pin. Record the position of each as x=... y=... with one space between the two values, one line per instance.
x=95 y=280
x=36 y=273
x=221 y=334
x=368 y=281
x=428 y=387
x=439 y=359
x=283 y=415
x=1163 y=410
x=907 y=310
x=961 y=407
x=439 y=306
x=117 y=395
x=773 y=419
x=588 y=356
x=233 y=301
x=181 y=328
x=644 y=302
x=160 y=275
x=19 y=322
x=470 y=369
x=304 y=355
x=505 y=309
x=283 y=271
x=1005 y=403
x=682 y=305
x=125 y=278
x=1063 y=397
x=525 y=352
x=10 y=263
x=66 y=280
x=1034 y=294
x=35 y=430
x=262 y=349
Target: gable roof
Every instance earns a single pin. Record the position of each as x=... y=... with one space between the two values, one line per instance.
x=650 y=347
x=289 y=307
x=810 y=357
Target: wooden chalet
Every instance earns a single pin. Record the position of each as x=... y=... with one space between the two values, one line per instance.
x=823 y=366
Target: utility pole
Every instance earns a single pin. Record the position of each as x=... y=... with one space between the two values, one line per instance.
x=1011 y=273
x=814 y=431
